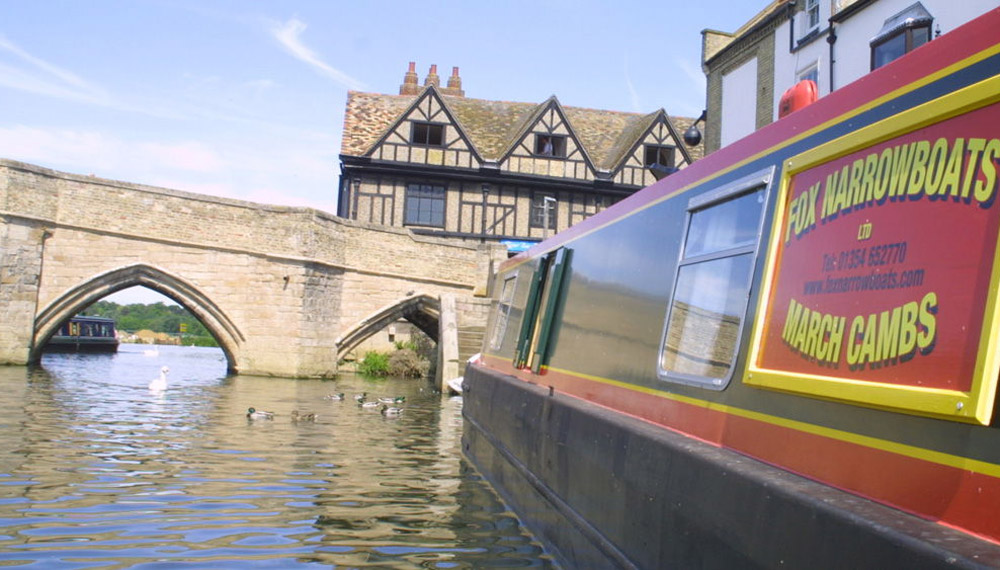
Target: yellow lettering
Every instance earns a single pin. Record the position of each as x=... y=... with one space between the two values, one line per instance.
x=902 y=158
x=907 y=329
x=868 y=178
x=855 y=191
x=935 y=166
x=853 y=347
x=918 y=171
x=812 y=337
x=927 y=336
x=830 y=196
x=985 y=189
x=884 y=168
x=976 y=147
x=836 y=336
x=788 y=333
x=951 y=178
x=888 y=335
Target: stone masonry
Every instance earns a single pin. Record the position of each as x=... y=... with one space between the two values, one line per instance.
x=276 y=285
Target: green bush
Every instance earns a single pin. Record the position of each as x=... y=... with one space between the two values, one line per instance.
x=374 y=364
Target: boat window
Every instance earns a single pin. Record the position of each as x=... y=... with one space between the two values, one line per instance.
x=503 y=311
x=706 y=315
x=544 y=301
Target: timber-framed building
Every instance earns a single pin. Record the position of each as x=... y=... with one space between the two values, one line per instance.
x=441 y=164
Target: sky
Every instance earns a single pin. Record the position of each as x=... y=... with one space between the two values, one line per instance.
x=245 y=98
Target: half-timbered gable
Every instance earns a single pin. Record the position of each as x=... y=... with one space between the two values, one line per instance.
x=655 y=153
x=442 y=164
x=427 y=133
x=548 y=146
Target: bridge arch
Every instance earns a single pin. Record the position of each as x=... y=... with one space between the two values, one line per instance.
x=226 y=333
x=423 y=310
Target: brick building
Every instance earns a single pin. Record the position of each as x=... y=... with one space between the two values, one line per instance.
x=829 y=42
x=442 y=164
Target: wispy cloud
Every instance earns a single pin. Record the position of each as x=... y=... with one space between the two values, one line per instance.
x=288 y=35
x=633 y=95
x=696 y=79
x=35 y=75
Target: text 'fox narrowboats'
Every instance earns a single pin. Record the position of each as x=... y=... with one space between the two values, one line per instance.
x=785 y=354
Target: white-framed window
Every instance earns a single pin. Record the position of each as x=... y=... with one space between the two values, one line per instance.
x=812 y=15
x=809 y=73
x=544 y=211
x=707 y=311
x=808 y=21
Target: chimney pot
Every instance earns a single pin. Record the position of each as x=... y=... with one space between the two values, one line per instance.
x=410 y=84
x=432 y=77
x=454 y=84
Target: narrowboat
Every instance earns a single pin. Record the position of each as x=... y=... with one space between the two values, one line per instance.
x=84 y=334
x=784 y=355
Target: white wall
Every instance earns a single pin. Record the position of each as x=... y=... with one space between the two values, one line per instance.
x=852 y=51
x=788 y=65
x=739 y=103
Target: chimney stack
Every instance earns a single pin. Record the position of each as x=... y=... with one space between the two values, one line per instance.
x=454 y=87
x=410 y=85
x=432 y=77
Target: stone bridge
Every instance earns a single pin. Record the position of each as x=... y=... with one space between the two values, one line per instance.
x=285 y=291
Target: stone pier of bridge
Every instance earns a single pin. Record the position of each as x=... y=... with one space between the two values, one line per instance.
x=277 y=287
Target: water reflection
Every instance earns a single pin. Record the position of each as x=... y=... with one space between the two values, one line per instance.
x=97 y=471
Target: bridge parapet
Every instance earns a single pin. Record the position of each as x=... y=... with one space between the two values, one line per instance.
x=291 y=280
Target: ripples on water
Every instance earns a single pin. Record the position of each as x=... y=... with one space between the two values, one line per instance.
x=98 y=472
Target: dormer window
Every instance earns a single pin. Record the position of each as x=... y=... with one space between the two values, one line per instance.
x=428 y=134
x=659 y=160
x=659 y=154
x=550 y=145
x=901 y=34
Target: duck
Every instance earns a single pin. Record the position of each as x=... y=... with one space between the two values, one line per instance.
x=338 y=397
x=298 y=416
x=254 y=414
x=160 y=384
x=392 y=399
x=360 y=397
x=364 y=404
x=390 y=411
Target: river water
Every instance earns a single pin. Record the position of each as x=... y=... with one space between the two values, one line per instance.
x=97 y=471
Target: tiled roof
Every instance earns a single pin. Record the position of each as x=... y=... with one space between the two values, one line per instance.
x=493 y=126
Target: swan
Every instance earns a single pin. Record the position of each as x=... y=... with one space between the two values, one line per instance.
x=160 y=384
x=151 y=352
